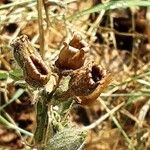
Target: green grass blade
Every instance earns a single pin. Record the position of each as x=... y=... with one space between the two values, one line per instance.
x=18 y=93
x=112 y=5
x=11 y=126
x=143 y=82
x=132 y=99
x=126 y=94
x=6 y=6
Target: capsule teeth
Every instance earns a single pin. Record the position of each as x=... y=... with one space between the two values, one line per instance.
x=86 y=80
x=88 y=83
x=72 y=55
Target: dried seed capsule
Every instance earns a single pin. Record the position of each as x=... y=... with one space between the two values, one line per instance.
x=35 y=71
x=72 y=55
x=87 y=84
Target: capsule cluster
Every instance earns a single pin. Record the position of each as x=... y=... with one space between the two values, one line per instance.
x=87 y=81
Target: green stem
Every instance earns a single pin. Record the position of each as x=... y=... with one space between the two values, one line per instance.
x=41 y=119
x=44 y=129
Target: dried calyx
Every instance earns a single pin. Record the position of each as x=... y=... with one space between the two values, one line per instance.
x=35 y=71
x=72 y=55
x=87 y=84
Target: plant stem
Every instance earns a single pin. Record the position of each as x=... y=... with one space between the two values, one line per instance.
x=41 y=30
x=42 y=120
x=47 y=15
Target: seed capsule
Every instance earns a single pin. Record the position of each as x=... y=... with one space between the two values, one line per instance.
x=87 y=84
x=72 y=55
x=35 y=71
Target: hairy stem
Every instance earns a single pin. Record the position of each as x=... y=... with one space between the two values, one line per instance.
x=42 y=121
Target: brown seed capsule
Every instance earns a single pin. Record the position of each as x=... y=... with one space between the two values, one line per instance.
x=88 y=84
x=35 y=71
x=72 y=55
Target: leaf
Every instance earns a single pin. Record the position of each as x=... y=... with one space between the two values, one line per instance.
x=64 y=106
x=67 y=139
x=112 y=5
x=16 y=74
x=3 y=75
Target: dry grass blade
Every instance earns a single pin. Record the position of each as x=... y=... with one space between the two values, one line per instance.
x=40 y=5
x=115 y=35
x=101 y=119
x=130 y=146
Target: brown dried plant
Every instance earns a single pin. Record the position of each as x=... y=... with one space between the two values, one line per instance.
x=86 y=82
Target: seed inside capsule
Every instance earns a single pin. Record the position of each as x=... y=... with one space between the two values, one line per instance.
x=96 y=73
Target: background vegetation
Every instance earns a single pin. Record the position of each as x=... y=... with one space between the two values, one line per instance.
x=118 y=35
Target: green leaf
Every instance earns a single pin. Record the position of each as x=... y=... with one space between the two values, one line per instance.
x=67 y=139
x=16 y=74
x=63 y=107
x=3 y=75
x=112 y=5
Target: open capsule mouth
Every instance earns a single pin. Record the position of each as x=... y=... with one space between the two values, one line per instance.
x=39 y=65
x=97 y=74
